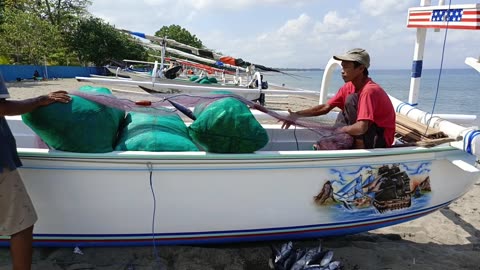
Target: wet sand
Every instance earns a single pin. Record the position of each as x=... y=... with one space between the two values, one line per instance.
x=445 y=239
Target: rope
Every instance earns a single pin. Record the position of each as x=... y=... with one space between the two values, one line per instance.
x=441 y=68
x=467 y=141
x=295 y=135
x=400 y=106
x=155 y=251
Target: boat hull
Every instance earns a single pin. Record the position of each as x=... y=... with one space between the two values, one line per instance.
x=131 y=198
x=167 y=86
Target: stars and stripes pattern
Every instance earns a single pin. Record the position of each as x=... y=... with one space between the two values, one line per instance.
x=455 y=17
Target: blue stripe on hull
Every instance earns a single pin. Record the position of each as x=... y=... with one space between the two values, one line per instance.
x=222 y=237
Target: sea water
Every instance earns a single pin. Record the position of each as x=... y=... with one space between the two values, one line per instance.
x=458 y=89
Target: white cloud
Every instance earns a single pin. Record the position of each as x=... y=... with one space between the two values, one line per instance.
x=385 y=7
x=224 y=5
x=149 y=15
x=333 y=23
x=278 y=33
x=295 y=27
x=288 y=45
x=351 y=35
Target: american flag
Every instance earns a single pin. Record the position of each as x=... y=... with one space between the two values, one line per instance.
x=455 y=17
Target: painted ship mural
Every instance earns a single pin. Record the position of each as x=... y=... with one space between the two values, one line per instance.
x=381 y=189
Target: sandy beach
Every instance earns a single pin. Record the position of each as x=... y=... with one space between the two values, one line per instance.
x=445 y=239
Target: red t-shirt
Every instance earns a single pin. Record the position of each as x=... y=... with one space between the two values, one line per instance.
x=373 y=105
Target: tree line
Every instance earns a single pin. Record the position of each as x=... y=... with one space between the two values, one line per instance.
x=63 y=32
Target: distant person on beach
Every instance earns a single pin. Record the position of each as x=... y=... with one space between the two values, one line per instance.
x=254 y=84
x=367 y=112
x=17 y=214
x=36 y=75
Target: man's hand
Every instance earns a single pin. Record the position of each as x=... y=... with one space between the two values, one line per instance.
x=343 y=129
x=359 y=128
x=292 y=117
x=57 y=96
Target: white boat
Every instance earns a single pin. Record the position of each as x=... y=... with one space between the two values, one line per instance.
x=248 y=85
x=120 y=73
x=283 y=191
x=168 y=86
x=474 y=63
x=158 y=84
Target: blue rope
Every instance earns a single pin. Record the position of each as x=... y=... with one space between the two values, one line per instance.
x=465 y=140
x=400 y=106
x=425 y=118
x=469 y=139
x=403 y=104
x=441 y=68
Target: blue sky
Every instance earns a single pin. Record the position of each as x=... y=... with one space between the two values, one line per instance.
x=296 y=33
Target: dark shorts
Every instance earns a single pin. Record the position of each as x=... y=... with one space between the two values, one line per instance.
x=372 y=138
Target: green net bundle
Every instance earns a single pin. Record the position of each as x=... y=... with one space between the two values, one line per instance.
x=157 y=133
x=204 y=80
x=78 y=126
x=227 y=126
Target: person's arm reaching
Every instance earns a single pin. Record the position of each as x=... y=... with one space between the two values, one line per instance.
x=17 y=107
x=313 y=111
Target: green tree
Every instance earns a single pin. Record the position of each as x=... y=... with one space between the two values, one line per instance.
x=180 y=34
x=62 y=15
x=98 y=42
x=57 y=12
x=26 y=38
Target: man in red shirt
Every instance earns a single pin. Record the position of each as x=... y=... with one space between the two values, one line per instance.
x=367 y=112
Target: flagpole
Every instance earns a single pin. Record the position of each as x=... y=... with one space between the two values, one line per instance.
x=417 y=64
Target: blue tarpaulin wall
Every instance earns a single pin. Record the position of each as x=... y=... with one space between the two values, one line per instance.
x=12 y=72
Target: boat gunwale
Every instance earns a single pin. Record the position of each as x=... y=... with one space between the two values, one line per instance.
x=258 y=155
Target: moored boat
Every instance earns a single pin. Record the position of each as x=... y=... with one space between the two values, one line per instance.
x=282 y=191
x=198 y=197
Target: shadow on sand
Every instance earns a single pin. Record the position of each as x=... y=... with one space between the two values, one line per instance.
x=360 y=251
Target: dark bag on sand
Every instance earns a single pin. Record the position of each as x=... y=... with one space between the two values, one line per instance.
x=78 y=126
x=227 y=126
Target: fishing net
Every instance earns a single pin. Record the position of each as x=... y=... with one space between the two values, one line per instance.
x=203 y=80
x=329 y=138
x=146 y=132
x=227 y=126
x=80 y=125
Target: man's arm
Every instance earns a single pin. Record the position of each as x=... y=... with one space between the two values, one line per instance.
x=315 y=111
x=17 y=107
x=359 y=128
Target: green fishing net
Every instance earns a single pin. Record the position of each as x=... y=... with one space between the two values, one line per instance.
x=157 y=133
x=227 y=126
x=78 y=126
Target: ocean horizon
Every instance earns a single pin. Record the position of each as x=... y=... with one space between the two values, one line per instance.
x=458 y=88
